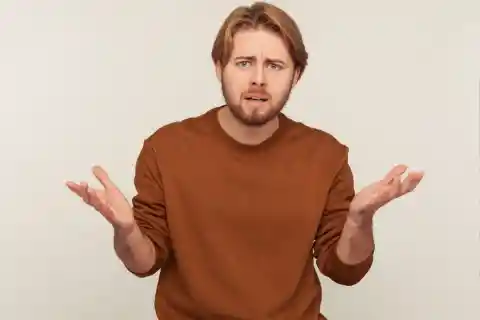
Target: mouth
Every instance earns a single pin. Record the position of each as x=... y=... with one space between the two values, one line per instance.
x=259 y=99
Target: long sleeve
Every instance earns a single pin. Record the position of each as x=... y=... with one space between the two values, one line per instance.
x=332 y=223
x=149 y=205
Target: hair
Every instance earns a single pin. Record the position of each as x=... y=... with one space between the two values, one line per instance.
x=260 y=15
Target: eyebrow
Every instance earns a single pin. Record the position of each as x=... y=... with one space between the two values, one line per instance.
x=252 y=58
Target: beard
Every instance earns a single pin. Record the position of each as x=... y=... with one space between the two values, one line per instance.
x=254 y=118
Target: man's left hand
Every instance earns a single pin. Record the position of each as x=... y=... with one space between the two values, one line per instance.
x=378 y=194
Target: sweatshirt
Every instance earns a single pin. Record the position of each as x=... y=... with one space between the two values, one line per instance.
x=238 y=229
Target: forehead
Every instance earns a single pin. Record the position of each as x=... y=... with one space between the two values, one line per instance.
x=260 y=43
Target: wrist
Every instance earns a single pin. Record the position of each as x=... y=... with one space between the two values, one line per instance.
x=360 y=220
x=125 y=230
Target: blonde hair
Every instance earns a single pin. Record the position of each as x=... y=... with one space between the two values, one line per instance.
x=260 y=15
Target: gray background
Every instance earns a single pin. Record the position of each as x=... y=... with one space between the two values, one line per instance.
x=83 y=82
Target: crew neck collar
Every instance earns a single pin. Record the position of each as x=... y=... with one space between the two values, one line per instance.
x=229 y=140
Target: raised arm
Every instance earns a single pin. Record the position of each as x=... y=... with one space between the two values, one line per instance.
x=344 y=251
x=344 y=246
x=140 y=233
x=149 y=209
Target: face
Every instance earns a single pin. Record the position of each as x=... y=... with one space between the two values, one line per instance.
x=258 y=78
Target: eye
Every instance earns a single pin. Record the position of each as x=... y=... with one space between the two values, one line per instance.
x=274 y=66
x=243 y=64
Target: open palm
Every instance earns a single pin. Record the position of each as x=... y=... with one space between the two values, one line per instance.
x=378 y=194
x=110 y=201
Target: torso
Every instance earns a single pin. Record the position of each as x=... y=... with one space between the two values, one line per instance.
x=242 y=222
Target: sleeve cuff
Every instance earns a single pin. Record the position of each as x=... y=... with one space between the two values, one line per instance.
x=160 y=257
x=348 y=274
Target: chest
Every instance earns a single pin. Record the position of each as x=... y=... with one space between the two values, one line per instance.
x=252 y=196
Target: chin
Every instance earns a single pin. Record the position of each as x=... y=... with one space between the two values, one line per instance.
x=259 y=108
x=257 y=117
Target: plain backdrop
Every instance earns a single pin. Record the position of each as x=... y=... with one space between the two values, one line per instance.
x=83 y=82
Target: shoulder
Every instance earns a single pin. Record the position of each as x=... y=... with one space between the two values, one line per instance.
x=319 y=141
x=181 y=132
x=329 y=154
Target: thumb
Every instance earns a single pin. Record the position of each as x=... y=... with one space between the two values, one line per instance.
x=103 y=177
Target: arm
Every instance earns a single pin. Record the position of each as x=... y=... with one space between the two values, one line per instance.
x=356 y=243
x=145 y=247
x=134 y=249
x=344 y=249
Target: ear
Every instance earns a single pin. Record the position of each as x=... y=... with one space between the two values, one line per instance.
x=296 y=77
x=218 y=70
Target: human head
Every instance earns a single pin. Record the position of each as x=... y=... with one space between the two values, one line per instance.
x=258 y=53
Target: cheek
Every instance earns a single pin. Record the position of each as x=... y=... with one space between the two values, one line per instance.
x=279 y=87
x=235 y=84
x=233 y=91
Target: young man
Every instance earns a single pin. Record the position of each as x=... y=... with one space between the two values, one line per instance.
x=235 y=205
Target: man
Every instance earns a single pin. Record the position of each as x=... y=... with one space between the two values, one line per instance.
x=235 y=205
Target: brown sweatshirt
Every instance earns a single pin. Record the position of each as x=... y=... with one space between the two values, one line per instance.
x=238 y=228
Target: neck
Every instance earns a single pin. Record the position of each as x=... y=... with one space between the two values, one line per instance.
x=245 y=134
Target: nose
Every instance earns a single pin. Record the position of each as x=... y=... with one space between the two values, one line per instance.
x=258 y=76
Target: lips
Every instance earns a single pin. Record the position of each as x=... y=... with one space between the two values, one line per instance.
x=256 y=97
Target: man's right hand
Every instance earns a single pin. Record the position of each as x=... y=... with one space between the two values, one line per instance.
x=110 y=201
x=136 y=251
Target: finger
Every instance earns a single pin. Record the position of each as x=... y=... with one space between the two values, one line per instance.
x=99 y=205
x=390 y=191
x=86 y=196
x=93 y=199
x=103 y=177
x=83 y=191
x=74 y=187
x=412 y=181
x=396 y=186
x=396 y=171
x=78 y=189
